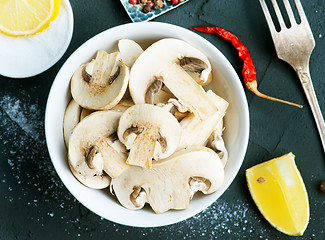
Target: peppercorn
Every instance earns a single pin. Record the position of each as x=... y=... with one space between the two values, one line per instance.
x=322 y=186
x=157 y=4
x=146 y=8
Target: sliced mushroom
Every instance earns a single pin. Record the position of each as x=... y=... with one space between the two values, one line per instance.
x=95 y=182
x=91 y=155
x=217 y=143
x=194 y=67
x=172 y=182
x=101 y=83
x=85 y=112
x=130 y=51
x=161 y=61
x=196 y=132
x=176 y=108
x=123 y=105
x=70 y=120
x=150 y=132
x=162 y=97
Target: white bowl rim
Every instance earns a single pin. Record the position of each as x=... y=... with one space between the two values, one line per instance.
x=170 y=217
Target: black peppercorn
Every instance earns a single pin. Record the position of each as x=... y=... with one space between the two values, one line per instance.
x=322 y=186
x=146 y=8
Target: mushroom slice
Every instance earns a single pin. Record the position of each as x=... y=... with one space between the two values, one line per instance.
x=130 y=51
x=85 y=112
x=149 y=132
x=172 y=182
x=196 y=132
x=90 y=152
x=217 y=143
x=162 y=62
x=194 y=67
x=162 y=97
x=95 y=182
x=101 y=83
x=70 y=120
x=123 y=105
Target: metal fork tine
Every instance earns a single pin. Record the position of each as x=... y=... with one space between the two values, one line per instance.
x=301 y=12
x=268 y=16
x=278 y=13
x=289 y=12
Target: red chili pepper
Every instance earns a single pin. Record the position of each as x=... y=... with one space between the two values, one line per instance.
x=249 y=71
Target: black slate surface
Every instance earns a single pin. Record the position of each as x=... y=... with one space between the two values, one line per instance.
x=34 y=204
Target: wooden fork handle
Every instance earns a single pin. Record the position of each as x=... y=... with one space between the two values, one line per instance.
x=307 y=85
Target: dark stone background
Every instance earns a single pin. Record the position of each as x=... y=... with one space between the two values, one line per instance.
x=34 y=204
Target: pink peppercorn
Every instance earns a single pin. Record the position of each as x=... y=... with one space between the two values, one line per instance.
x=150 y=4
x=175 y=1
x=133 y=1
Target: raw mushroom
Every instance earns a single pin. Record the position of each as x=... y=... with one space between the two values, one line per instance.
x=217 y=143
x=194 y=67
x=176 y=108
x=130 y=51
x=91 y=154
x=70 y=120
x=95 y=182
x=101 y=83
x=123 y=105
x=196 y=132
x=85 y=112
x=172 y=182
x=161 y=97
x=150 y=132
x=161 y=63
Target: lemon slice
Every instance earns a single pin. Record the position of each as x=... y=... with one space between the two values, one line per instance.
x=278 y=190
x=26 y=17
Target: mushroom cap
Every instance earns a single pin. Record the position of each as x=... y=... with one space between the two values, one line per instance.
x=156 y=122
x=101 y=83
x=162 y=61
x=92 y=133
x=130 y=51
x=172 y=182
x=95 y=182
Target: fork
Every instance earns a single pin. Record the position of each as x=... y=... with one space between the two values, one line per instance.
x=294 y=45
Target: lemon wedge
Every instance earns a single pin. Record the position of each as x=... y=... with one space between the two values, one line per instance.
x=279 y=192
x=26 y=17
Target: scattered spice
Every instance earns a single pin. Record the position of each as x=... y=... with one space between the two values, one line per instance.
x=148 y=5
x=322 y=186
x=249 y=71
x=261 y=180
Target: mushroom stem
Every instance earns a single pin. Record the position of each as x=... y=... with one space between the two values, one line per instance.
x=143 y=149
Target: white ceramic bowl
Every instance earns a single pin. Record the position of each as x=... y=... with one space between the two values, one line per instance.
x=226 y=84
